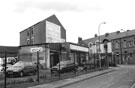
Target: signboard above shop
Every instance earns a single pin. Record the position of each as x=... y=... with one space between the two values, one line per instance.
x=78 y=48
x=36 y=49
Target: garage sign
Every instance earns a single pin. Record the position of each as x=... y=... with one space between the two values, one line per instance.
x=36 y=49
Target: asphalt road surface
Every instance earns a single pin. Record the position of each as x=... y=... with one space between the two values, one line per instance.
x=123 y=77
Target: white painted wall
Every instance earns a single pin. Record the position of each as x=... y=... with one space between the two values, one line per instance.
x=94 y=48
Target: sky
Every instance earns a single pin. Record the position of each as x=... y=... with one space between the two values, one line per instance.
x=80 y=18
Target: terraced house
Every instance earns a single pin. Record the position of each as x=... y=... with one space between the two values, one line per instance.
x=123 y=46
x=120 y=47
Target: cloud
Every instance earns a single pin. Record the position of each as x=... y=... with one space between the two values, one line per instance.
x=57 y=6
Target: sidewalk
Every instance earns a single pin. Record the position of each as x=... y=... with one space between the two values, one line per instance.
x=68 y=81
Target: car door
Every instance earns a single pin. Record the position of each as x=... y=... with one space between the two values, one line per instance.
x=27 y=68
x=70 y=66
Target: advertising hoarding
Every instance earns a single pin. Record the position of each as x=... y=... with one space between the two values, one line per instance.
x=53 y=33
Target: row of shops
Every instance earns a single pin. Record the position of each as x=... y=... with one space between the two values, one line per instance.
x=51 y=53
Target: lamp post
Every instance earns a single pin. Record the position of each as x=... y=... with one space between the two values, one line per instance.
x=99 y=42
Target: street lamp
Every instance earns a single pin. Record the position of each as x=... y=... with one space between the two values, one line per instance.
x=99 y=42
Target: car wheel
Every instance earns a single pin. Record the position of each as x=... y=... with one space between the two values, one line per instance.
x=21 y=74
x=13 y=62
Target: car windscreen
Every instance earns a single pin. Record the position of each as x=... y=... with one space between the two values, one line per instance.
x=61 y=64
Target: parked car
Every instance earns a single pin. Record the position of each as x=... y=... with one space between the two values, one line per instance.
x=21 y=68
x=1 y=69
x=11 y=60
x=64 y=66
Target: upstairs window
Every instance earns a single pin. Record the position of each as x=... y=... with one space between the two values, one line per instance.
x=28 y=32
x=90 y=45
x=124 y=44
x=133 y=42
x=31 y=29
x=28 y=41
x=32 y=40
x=130 y=43
x=116 y=45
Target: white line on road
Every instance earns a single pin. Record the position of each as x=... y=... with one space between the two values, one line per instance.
x=133 y=86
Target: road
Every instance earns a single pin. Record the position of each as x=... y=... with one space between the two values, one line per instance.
x=123 y=77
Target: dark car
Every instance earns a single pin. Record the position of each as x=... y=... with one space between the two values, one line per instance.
x=21 y=68
x=64 y=66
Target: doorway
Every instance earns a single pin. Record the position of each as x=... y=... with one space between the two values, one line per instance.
x=54 y=59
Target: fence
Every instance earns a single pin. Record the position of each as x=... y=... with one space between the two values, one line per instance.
x=29 y=74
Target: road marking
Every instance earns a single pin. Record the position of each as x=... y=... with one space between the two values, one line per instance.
x=133 y=86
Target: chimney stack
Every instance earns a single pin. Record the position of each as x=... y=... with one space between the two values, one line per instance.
x=79 y=40
x=95 y=35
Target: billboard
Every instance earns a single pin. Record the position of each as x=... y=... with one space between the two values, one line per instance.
x=53 y=33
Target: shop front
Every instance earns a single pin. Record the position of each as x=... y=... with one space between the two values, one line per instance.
x=77 y=54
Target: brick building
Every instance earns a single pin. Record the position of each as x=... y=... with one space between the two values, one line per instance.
x=123 y=47
x=49 y=36
x=45 y=35
x=120 y=46
x=105 y=48
x=49 y=30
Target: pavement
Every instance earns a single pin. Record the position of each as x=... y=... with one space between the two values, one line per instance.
x=69 y=81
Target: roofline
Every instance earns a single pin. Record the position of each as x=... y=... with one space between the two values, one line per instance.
x=51 y=43
x=38 y=44
x=110 y=33
x=122 y=37
x=77 y=44
x=9 y=46
x=36 y=23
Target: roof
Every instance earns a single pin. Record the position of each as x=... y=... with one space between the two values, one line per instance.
x=51 y=18
x=9 y=49
x=111 y=36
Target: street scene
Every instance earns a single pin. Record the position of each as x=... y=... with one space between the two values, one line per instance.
x=38 y=47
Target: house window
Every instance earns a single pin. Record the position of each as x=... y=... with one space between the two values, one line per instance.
x=116 y=45
x=97 y=46
x=90 y=45
x=28 y=41
x=124 y=44
x=32 y=40
x=130 y=43
x=28 y=32
x=31 y=29
x=134 y=42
